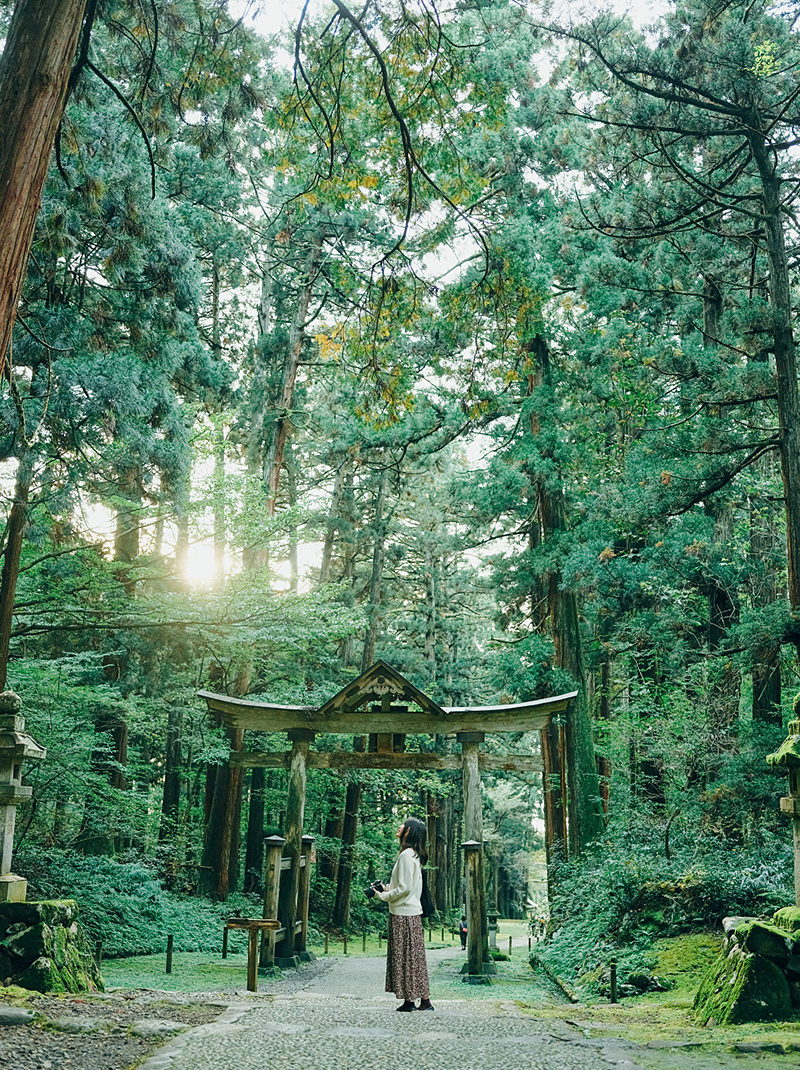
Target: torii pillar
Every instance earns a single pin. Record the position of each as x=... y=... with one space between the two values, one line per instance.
x=479 y=964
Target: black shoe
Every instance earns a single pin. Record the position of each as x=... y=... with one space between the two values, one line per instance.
x=429 y=1007
x=407 y=1006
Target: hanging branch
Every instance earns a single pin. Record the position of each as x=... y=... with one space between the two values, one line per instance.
x=121 y=97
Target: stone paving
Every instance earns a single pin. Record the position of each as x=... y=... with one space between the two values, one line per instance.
x=343 y=1019
x=340 y=1019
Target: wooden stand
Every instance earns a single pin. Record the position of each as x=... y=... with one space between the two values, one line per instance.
x=254 y=927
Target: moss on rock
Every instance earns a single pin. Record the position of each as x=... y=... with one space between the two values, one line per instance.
x=763 y=938
x=42 y=976
x=742 y=987
x=787 y=918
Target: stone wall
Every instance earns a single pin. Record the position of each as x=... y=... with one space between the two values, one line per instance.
x=757 y=976
x=43 y=947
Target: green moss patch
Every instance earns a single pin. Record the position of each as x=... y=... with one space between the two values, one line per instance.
x=787 y=918
x=740 y=987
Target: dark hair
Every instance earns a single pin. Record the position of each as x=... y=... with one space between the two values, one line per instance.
x=415 y=836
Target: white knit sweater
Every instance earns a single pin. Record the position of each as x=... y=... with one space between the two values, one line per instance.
x=405 y=885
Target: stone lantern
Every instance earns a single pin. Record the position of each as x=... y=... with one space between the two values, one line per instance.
x=15 y=745
x=788 y=755
x=493 y=917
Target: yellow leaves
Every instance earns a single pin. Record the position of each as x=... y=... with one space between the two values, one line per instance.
x=310 y=198
x=607 y=554
x=666 y=478
x=330 y=343
x=364 y=182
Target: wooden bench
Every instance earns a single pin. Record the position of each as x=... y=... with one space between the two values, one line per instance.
x=255 y=927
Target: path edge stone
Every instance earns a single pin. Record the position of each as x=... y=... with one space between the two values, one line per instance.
x=163 y=1056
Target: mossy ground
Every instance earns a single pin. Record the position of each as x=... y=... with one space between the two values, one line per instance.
x=199 y=971
x=667 y=1016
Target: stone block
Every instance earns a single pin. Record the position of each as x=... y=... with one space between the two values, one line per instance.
x=13 y=889
x=41 y=976
x=73 y=1023
x=30 y=943
x=16 y=1016
x=729 y=925
x=764 y=939
x=788 y=918
x=742 y=987
x=157 y=1027
x=51 y=911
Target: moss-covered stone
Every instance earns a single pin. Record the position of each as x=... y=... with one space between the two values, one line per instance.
x=50 y=911
x=29 y=944
x=789 y=751
x=742 y=987
x=763 y=938
x=42 y=976
x=787 y=918
x=46 y=949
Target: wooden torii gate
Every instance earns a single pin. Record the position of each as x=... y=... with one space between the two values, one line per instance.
x=383 y=703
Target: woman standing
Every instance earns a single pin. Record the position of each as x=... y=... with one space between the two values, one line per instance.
x=406 y=968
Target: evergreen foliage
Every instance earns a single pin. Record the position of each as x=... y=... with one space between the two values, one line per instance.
x=468 y=347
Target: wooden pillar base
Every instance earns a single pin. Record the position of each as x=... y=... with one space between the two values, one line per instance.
x=288 y=962
x=488 y=969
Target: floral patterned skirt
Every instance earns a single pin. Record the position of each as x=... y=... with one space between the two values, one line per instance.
x=406 y=968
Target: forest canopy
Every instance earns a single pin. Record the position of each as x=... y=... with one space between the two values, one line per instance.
x=450 y=336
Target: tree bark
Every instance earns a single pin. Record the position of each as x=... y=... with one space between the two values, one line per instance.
x=222 y=823
x=585 y=817
x=376 y=576
x=254 y=850
x=170 y=802
x=15 y=531
x=341 y=906
x=34 y=76
x=785 y=358
x=276 y=430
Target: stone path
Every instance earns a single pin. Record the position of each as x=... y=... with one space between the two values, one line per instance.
x=342 y=1020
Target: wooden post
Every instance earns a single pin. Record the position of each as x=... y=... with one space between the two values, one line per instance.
x=344 y=943
x=474 y=964
x=363 y=941
x=169 y=953
x=303 y=892
x=272 y=881
x=326 y=943
x=509 y=947
x=473 y=832
x=252 y=959
x=612 y=969
x=295 y=809
x=225 y=943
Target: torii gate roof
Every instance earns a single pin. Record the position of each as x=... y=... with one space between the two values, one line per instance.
x=353 y=711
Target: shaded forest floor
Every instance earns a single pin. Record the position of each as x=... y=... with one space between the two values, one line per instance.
x=116 y=1030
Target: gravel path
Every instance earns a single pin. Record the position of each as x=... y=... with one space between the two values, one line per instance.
x=341 y=1017
x=338 y=1016
x=334 y=1013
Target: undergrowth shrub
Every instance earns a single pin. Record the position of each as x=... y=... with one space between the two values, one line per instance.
x=624 y=895
x=126 y=906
